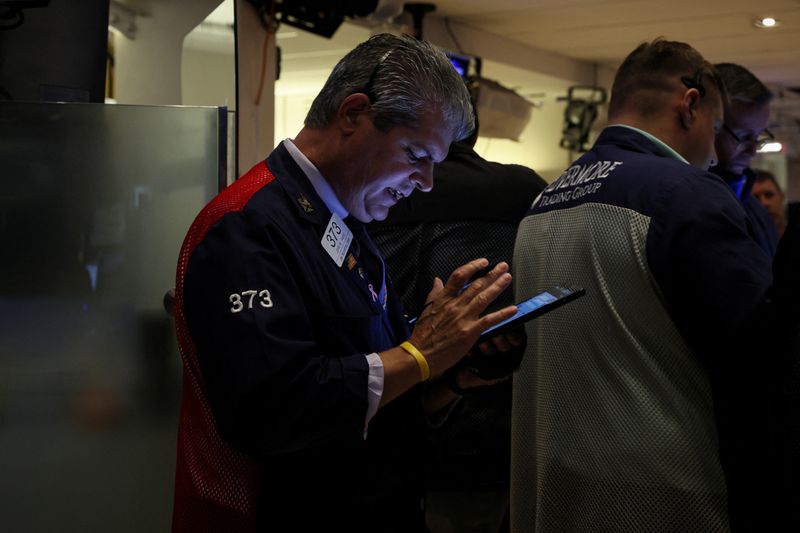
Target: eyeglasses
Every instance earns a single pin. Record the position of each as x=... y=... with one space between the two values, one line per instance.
x=695 y=82
x=751 y=139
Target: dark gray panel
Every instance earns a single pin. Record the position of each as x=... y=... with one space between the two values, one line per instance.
x=94 y=204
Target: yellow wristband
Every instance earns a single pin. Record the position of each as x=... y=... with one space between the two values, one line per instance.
x=424 y=369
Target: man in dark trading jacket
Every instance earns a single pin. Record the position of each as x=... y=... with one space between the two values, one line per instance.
x=743 y=133
x=303 y=403
x=644 y=406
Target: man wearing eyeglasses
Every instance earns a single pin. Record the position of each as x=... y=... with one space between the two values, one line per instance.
x=743 y=133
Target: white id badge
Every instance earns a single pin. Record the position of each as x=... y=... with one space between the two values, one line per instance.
x=336 y=239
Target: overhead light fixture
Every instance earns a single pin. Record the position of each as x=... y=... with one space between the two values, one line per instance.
x=503 y=113
x=316 y=16
x=771 y=148
x=766 y=22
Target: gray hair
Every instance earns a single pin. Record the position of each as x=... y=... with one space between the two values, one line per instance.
x=404 y=77
x=742 y=85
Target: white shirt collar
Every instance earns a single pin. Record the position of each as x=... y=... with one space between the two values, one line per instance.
x=318 y=181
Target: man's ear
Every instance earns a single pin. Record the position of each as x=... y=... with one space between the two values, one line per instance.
x=689 y=103
x=352 y=111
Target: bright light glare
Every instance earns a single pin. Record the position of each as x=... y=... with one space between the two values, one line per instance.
x=766 y=22
x=771 y=148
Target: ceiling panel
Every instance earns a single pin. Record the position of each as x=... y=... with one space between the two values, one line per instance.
x=606 y=30
x=594 y=31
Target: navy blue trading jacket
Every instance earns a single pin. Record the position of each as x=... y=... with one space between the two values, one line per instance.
x=695 y=225
x=281 y=334
x=647 y=401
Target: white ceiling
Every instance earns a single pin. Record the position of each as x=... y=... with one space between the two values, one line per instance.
x=591 y=32
x=598 y=32
x=604 y=31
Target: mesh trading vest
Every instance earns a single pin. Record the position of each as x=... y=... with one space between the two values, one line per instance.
x=613 y=423
x=215 y=485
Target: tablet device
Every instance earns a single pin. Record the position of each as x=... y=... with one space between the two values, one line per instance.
x=534 y=306
x=502 y=364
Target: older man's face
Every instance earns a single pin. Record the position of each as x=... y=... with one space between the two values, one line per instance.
x=390 y=165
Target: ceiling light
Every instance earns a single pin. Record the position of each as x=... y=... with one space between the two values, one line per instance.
x=766 y=22
x=770 y=148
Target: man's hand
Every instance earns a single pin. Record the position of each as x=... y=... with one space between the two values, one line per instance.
x=462 y=380
x=491 y=361
x=451 y=321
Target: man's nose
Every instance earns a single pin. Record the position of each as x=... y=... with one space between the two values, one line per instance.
x=423 y=177
x=751 y=148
